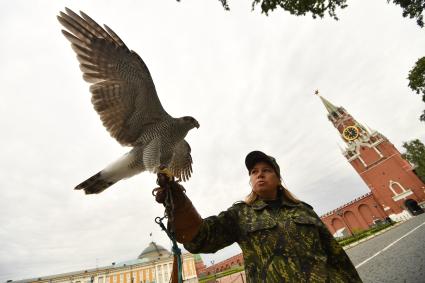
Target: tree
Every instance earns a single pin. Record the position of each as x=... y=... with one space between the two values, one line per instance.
x=415 y=154
x=318 y=8
x=413 y=9
x=417 y=80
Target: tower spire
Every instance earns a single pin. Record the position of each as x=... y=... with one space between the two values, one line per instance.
x=329 y=106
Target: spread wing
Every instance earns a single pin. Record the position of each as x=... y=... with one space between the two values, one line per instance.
x=123 y=92
x=181 y=162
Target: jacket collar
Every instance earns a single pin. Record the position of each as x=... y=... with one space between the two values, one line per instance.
x=259 y=204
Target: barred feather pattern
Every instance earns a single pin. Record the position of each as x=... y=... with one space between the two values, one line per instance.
x=123 y=92
x=124 y=96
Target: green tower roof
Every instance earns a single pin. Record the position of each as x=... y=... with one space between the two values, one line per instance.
x=329 y=106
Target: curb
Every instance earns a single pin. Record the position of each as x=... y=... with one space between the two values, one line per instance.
x=371 y=236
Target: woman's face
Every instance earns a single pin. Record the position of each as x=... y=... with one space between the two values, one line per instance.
x=264 y=181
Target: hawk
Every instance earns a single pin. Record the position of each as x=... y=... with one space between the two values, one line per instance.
x=124 y=96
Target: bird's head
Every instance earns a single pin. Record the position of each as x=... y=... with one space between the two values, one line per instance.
x=190 y=121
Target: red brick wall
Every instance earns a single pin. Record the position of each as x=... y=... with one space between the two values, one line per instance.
x=358 y=214
x=236 y=260
x=200 y=267
x=391 y=168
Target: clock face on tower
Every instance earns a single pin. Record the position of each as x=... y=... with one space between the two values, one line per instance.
x=350 y=133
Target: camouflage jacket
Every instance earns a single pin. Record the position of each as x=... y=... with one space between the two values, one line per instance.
x=288 y=243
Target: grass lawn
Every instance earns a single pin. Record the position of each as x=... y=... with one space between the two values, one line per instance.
x=221 y=274
x=363 y=234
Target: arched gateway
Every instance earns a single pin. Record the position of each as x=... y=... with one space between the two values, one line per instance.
x=413 y=207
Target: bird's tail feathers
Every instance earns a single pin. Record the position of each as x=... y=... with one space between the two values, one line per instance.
x=123 y=168
x=95 y=184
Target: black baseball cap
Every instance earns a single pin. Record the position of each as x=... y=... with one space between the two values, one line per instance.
x=257 y=156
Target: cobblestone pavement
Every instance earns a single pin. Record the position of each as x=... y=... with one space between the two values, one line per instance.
x=393 y=256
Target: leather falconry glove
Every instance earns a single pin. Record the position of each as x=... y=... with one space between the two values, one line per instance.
x=185 y=219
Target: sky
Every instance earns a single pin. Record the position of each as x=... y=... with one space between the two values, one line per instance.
x=247 y=78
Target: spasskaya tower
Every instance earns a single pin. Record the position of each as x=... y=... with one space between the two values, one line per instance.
x=394 y=186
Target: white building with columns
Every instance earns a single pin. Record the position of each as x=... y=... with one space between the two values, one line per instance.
x=154 y=265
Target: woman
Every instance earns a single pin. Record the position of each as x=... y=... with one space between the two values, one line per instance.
x=282 y=238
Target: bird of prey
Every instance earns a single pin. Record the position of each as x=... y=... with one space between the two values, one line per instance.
x=124 y=96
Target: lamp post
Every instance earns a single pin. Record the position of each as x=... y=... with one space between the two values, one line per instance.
x=341 y=214
x=212 y=265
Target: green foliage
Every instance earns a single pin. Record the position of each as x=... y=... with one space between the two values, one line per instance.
x=417 y=77
x=221 y=274
x=415 y=154
x=363 y=234
x=224 y=3
x=417 y=80
x=412 y=9
x=356 y=230
x=317 y=8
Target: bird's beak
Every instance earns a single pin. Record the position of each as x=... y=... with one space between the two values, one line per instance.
x=197 y=125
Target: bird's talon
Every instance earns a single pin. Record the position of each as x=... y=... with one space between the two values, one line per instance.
x=167 y=173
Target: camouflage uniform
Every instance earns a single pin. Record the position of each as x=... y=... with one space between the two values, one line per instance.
x=287 y=243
